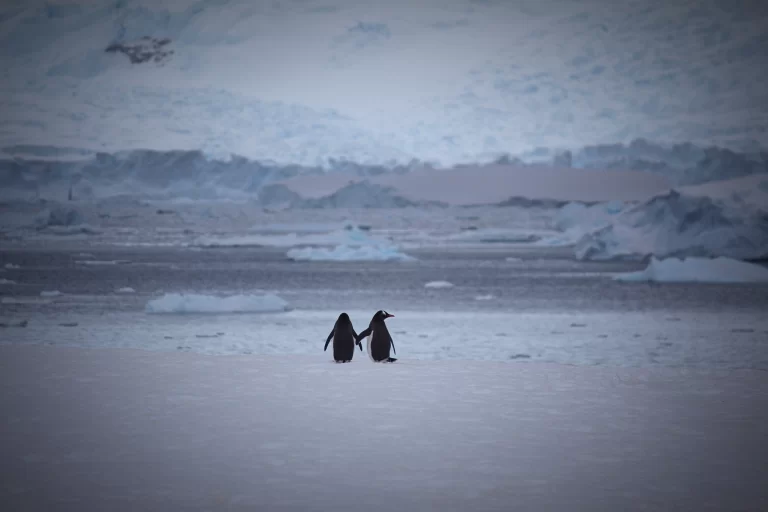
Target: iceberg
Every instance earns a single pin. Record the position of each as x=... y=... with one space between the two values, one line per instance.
x=698 y=270
x=675 y=224
x=58 y=215
x=438 y=284
x=197 y=303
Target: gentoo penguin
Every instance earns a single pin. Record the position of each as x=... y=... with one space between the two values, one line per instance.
x=344 y=339
x=379 y=339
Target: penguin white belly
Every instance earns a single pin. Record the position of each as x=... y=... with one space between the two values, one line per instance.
x=368 y=346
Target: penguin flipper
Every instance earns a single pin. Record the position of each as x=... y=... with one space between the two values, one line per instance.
x=329 y=339
x=362 y=335
x=392 y=342
x=354 y=337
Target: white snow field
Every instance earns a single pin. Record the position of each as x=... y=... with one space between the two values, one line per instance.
x=701 y=270
x=567 y=73
x=125 y=430
x=197 y=303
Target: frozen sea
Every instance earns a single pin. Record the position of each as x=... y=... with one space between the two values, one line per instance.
x=531 y=382
x=507 y=302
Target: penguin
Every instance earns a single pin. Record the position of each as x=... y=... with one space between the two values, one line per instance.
x=379 y=339
x=344 y=340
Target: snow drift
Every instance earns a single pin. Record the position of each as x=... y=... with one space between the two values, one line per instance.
x=680 y=225
x=701 y=270
x=195 y=303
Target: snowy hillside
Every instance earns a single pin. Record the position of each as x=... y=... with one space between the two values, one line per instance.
x=456 y=81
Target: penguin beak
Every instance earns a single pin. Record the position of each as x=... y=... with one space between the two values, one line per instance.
x=389 y=316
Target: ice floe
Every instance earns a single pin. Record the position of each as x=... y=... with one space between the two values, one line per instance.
x=438 y=284
x=349 y=253
x=702 y=270
x=198 y=303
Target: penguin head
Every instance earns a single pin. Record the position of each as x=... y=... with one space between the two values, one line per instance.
x=343 y=318
x=382 y=315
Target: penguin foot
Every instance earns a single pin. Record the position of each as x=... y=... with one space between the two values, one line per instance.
x=389 y=360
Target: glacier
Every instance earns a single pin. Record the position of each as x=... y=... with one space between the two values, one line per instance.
x=557 y=68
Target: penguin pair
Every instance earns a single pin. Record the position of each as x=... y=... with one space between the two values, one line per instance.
x=345 y=338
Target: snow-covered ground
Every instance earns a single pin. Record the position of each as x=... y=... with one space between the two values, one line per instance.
x=133 y=430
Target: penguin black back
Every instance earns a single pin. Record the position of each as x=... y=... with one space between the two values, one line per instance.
x=344 y=339
x=379 y=339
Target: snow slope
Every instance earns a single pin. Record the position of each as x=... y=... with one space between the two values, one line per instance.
x=701 y=270
x=480 y=78
x=133 y=430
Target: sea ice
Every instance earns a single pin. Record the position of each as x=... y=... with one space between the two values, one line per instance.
x=197 y=303
x=349 y=253
x=142 y=430
x=352 y=236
